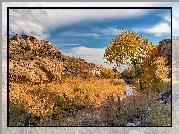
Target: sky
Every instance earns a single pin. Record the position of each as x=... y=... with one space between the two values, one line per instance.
x=85 y=33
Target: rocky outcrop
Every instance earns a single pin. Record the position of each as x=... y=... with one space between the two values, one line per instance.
x=95 y=69
x=75 y=67
x=164 y=49
x=165 y=96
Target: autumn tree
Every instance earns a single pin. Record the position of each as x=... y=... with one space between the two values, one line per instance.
x=129 y=48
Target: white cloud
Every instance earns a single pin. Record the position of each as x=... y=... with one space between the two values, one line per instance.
x=161 y=28
x=83 y=51
x=40 y=22
x=28 y=21
x=110 y=31
x=90 y=55
x=158 y=29
x=72 y=33
x=94 y=55
x=166 y=16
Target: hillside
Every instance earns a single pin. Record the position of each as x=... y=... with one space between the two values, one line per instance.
x=39 y=61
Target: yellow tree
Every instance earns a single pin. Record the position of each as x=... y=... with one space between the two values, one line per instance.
x=129 y=48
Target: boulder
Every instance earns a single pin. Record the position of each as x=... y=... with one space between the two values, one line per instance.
x=165 y=96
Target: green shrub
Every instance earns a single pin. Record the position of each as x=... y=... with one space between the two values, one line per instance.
x=157 y=84
x=17 y=116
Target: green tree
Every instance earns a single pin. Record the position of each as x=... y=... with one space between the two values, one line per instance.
x=129 y=48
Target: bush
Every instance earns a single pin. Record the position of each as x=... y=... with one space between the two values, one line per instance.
x=116 y=82
x=107 y=74
x=157 y=84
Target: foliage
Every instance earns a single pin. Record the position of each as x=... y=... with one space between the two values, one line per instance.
x=156 y=84
x=107 y=74
x=162 y=70
x=51 y=102
x=131 y=49
x=126 y=47
x=116 y=82
x=17 y=117
x=83 y=103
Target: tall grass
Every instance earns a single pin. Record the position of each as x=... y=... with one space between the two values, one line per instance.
x=79 y=102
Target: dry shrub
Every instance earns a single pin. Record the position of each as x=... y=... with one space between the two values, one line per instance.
x=78 y=102
x=107 y=74
x=59 y=101
x=162 y=70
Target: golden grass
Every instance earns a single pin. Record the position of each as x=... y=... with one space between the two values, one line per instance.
x=40 y=99
x=79 y=102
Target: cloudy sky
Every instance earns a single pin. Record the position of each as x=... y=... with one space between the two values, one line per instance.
x=85 y=33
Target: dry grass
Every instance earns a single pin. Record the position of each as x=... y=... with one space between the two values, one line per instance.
x=78 y=102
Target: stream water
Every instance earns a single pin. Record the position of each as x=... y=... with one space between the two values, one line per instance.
x=129 y=90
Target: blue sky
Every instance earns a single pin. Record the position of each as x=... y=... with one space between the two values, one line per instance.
x=85 y=33
x=96 y=33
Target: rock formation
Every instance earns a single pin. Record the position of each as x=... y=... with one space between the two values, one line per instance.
x=164 y=49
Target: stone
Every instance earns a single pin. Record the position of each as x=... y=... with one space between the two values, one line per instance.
x=164 y=96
